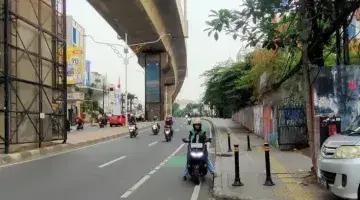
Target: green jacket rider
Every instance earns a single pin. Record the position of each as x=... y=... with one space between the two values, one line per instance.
x=197 y=130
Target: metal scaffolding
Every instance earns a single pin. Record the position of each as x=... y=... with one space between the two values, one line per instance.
x=32 y=72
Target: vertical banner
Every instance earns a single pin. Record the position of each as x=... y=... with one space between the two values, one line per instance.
x=75 y=65
x=152 y=78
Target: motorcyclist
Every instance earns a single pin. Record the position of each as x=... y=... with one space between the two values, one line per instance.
x=79 y=121
x=156 y=121
x=132 y=121
x=104 y=119
x=169 y=123
x=198 y=130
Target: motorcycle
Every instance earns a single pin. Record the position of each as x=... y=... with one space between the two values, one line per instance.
x=196 y=159
x=101 y=124
x=155 y=129
x=80 y=126
x=168 y=133
x=189 y=121
x=132 y=131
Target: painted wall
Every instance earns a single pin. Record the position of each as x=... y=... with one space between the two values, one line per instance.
x=337 y=92
x=258 y=115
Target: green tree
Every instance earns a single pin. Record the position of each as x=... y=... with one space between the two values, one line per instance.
x=222 y=89
x=255 y=24
x=175 y=107
x=131 y=97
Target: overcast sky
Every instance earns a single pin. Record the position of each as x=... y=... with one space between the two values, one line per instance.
x=203 y=51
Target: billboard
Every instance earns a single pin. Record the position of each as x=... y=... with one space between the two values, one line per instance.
x=75 y=66
x=152 y=82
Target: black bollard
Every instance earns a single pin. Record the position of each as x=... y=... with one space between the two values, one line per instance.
x=229 y=143
x=268 y=181
x=248 y=142
x=237 y=181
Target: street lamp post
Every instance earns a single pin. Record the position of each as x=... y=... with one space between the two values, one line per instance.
x=126 y=59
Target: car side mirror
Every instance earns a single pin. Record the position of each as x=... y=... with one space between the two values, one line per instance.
x=185 y=140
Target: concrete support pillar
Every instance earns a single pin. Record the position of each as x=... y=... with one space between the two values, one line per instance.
x=154 y=89
x=169 y=91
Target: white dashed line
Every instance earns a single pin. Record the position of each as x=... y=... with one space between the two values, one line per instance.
x=111 y=162
x=152 y=143
x=146 y=177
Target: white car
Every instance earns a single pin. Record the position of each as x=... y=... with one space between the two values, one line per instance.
x=339 y=163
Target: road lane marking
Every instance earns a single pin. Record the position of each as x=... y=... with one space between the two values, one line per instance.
x=152 y=143
x=177 y=130
x=111 y=162
x=147 y=176
x=195 y=194
x=68 y=151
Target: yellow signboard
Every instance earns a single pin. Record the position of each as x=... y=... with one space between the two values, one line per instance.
x=75 y=65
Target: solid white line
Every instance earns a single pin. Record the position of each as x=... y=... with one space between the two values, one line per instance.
x=147 y=176
x=67 y=151
x=152 y=144
x=111 y=162
x=195 y=194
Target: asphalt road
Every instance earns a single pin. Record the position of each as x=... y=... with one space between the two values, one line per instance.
x=145 y=167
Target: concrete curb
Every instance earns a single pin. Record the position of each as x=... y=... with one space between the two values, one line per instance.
x=6 y=159
x=218 y=192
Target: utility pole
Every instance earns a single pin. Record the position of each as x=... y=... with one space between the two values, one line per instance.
x=308 y=92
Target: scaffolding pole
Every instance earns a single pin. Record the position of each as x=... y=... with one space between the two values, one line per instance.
x=35 y=107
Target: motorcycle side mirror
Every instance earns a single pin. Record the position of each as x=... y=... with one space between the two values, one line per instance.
x=185 y=140
x=208 y=140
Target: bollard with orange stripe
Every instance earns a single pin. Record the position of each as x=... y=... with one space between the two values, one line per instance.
x=268 y=180
x=237 y=181
x=229 y=143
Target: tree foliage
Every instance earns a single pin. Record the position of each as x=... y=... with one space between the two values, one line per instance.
x=224 y=90
x=255 y=23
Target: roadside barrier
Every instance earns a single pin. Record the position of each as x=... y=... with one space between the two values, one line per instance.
x=268 y=180
x=229 y=143
x=237 y=181
x=248 y=142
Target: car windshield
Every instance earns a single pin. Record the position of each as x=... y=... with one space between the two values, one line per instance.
x=353 y=129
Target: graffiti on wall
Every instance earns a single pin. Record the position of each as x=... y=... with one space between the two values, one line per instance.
x=267 y=123
x=258 y=114
x=336 y=92
x=274 y=132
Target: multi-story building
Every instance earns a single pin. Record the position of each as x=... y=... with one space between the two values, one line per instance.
x=76 y=58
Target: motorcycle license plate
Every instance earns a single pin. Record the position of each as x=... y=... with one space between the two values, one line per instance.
x=196 y=145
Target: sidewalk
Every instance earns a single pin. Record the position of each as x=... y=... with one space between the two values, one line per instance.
x=73 y=141
x=290 y=170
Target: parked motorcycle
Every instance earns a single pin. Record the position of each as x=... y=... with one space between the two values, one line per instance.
x=132 y=131
x=196 y=159
x=168 y=133
x=155 y=129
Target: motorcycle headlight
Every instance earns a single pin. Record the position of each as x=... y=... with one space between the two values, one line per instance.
x=347 y=152
x=167 y=131
x=154 y=127
x=197 y=154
